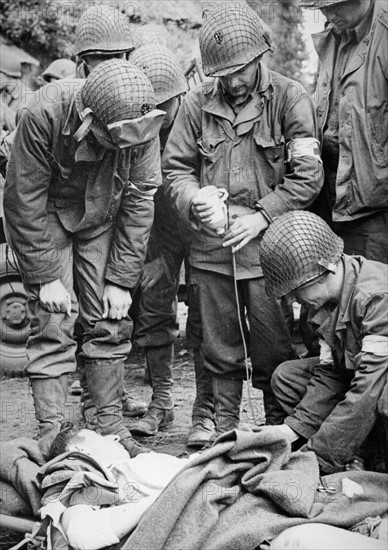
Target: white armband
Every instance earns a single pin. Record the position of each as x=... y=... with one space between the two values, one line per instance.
x=376 y=344
x=303 y=147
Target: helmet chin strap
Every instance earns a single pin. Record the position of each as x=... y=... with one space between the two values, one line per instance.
x=87 y=119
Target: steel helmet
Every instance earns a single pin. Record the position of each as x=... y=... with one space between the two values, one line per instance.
x=162 y=70
x=60 y=68
x=114 y=91
x=231 y=37
x=319 y=3
x=296 y=248
x=152 y=34
x=102 y=29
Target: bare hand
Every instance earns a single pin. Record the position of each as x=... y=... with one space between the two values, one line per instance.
x=202 y=210
x=244 y=229
x=116 y=302
x=55 y=298
x=152 y=273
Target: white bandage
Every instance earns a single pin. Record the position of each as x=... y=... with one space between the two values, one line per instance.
x=378 y=345
x=91 y=530
x=325 y=355
x=303 y=147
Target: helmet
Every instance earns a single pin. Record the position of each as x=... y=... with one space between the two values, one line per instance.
x=319 y=3
x=152 y=34
x=102 y=29
x=296 y=248
x=231 y=37
x=115 y=90
x=60 y=68
x=161 y=69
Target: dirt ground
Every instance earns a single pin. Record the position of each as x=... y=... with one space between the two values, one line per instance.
x=17 y=411
x=17 y=417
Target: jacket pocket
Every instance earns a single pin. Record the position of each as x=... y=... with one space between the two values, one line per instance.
x=212 y=152
x=377 y=127
x=270 y=159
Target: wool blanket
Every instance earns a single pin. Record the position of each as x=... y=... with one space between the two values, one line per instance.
x=247 y=489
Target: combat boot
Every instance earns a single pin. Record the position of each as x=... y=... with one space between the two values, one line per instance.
x=160 y=412
x=202 y=425
x=49 y=395
x=105 y=383
x=227 y=400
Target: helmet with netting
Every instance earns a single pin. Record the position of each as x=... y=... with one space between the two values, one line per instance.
x=297 y=248
x=319 y=3
x=115 y=90
x=152 y=34
x=231 y=37
x=104 y=30
x=162 y=70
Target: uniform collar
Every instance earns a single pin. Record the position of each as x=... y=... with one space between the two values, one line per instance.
x=216 y=104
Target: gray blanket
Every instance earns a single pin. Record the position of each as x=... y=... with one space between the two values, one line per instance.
x=247 y=489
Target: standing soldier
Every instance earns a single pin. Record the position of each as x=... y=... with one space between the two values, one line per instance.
x=352 y=107
x=102 y=33
x=82 y=199
x=157 y=326
x=253 y=132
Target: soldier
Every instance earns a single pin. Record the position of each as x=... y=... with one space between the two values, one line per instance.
x=352 y=107
x=60 y=68
x=83 y=198
x=334 y=400
x=252 y=132
x=102 y=33
x=157 y=327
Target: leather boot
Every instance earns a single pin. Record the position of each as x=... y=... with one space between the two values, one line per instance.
x=202 y=427
x=160 y=411
x=49 y=395
x=105 y=382
x=227 y=400
x=131 y=407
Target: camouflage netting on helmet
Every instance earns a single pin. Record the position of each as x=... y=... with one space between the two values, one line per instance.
x=117 y=90
x=297 y=247
x=163 y=71
x=231 y=37
x=103 y=29
x=152 y=34
x=319 y=3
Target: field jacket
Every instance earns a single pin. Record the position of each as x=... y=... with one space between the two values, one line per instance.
x=245 y=154
x=90 y=188
x=361 y=184
x=357 y=333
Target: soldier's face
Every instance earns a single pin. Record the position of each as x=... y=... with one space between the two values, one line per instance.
x=346 y=15
x=240 y=83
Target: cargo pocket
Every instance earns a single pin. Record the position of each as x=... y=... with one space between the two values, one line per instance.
x=270 y=159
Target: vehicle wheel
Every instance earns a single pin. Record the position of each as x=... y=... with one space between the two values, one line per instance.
x=14 y=319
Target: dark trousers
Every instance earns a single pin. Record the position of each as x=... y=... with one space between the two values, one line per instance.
x=263 y=321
